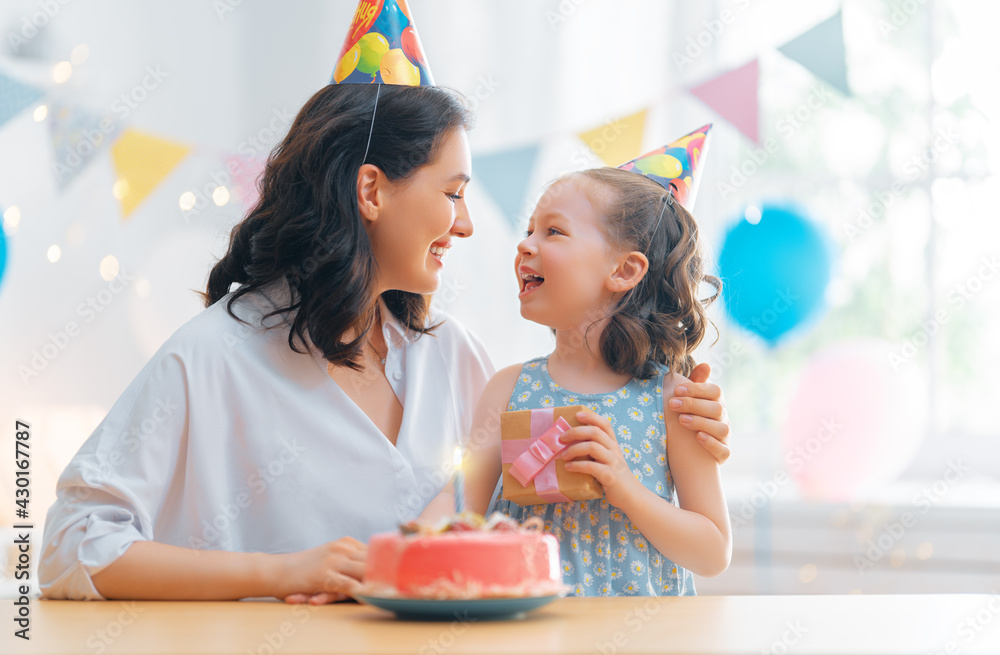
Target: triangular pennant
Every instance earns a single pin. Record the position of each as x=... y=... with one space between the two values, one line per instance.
x=15 y=97
x=821 y=51
x=141 y=162
x=246 y=173
x=77 y=137
x=506 y=175
x=734 y=96
x=618 y=140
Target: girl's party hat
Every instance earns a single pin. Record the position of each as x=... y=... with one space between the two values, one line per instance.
x=382 y=47
x=676 y=166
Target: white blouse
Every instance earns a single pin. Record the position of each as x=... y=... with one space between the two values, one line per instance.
x=229 y=440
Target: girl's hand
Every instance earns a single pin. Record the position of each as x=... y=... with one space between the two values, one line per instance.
x=596 y=439
x=324 y=574
x=703 y=410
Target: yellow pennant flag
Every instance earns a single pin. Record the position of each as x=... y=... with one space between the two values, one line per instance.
x=141 y=162
x=618 y=141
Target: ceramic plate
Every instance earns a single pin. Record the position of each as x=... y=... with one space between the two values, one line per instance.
x=458 y=610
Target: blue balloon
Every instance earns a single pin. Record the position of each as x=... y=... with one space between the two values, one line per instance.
x=775 y=272
x=390 y=23
x=3 y=251
x=681 y=155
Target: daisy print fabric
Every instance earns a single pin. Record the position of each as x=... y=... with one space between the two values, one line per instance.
x=601 y=552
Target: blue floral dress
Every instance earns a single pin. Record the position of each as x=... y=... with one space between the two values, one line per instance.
x=601 y=552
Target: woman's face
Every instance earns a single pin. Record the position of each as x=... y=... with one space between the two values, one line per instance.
x=418 y=218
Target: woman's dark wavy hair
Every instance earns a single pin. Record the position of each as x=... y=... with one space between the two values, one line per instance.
x=662 y=319
x=307 y=230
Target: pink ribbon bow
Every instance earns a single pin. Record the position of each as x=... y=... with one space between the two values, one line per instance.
x=534 y=458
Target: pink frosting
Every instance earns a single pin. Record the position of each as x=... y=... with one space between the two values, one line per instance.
x=463 y=565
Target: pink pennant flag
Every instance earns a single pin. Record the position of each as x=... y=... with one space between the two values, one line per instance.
x=734 y=96
x=246 y=172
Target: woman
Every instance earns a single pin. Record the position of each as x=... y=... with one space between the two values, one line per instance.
x=267 y=438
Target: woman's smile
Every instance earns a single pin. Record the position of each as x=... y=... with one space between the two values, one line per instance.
x=438 y=251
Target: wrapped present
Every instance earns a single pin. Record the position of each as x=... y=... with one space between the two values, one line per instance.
x=533 y=471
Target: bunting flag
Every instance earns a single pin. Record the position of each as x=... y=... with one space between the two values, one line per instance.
x=246 y=172
x=617 y=141
x=821 y=51
x=141 y=162
x=15 y=97
x=506 y=175
x=733 y=95
x=78 y=136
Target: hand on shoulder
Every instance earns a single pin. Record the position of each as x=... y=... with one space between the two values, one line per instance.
x=695 y=405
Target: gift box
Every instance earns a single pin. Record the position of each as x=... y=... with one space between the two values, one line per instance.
x=533 y=470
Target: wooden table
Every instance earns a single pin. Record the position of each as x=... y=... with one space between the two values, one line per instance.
x=705 y=624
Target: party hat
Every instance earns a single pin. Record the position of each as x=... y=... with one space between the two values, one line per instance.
x=676 y=166
x=382 y=47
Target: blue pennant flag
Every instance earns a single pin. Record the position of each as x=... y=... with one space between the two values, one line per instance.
x=78 y=136
x=15 y=97
x=821 y=50
x=506 y=175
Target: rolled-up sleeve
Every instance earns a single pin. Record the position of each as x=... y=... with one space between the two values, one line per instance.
x=108 y=496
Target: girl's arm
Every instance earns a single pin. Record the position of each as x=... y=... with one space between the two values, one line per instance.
x=150 y=570
x=481 y=461
x=695 y=535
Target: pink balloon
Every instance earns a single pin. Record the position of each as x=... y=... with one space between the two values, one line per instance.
x=854 y=423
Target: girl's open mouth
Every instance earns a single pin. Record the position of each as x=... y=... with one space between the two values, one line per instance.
x=530 y=282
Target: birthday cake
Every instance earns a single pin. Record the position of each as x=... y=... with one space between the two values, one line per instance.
x=465 y=557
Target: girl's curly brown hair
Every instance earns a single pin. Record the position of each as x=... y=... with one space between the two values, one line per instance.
x=661 y=319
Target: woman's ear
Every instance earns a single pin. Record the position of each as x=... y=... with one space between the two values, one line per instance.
x=630 y=270
x=369 y=183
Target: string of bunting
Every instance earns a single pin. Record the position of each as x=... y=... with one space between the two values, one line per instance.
x=142 y=161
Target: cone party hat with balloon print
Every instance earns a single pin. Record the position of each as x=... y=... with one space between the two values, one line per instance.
x=676 y=166
x=382 y=47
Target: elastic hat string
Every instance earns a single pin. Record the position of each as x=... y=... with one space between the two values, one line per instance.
x=666 y=201
x=378 y=90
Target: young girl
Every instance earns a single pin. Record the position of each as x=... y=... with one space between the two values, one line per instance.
x=611 y=263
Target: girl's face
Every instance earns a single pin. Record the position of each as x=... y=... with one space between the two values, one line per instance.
x=563 y=265
x=418 y=217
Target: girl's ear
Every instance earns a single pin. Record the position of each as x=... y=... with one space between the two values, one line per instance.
x=630 y=270
x=369 y=199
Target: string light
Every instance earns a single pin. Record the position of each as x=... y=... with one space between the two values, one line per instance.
x=62 y=72
x=79 y=54
x=120 y=189
x=142 y=287
x=109 y=268
x=220 y=196
x=187 y=201
x=11 y=219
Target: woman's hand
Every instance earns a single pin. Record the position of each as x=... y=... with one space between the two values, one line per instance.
x=703 y=410
x=596 y=439
x=324 y=574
